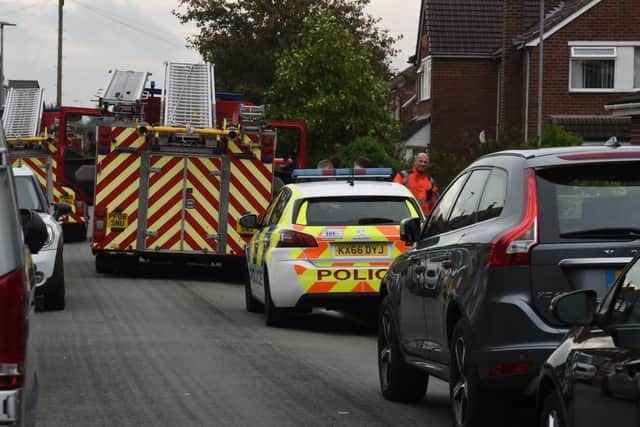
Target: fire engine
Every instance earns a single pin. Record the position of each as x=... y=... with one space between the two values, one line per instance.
x=54 y=144
x=174 y=185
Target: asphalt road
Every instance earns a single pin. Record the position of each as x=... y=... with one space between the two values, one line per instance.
x=175 y=347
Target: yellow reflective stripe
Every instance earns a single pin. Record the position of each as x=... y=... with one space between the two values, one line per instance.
x=302 y=214
x=412 y=209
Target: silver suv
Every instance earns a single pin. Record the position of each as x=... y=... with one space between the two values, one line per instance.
x=17 y=279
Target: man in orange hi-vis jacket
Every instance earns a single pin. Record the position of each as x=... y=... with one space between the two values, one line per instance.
x=422 y=185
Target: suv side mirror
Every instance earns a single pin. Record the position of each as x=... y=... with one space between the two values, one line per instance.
x=34 y=230
x=576 y=308
x=410 y=230
x=249 y=221
x=61 y=209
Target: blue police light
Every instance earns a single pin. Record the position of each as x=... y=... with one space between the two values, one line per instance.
x=346 y=173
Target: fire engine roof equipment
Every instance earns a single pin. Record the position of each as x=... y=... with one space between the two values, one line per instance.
x=189 y=95
x=23 y=113
x=124 y=87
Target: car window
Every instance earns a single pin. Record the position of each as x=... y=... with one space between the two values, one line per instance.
x=625 y=308
x=578 y=201
x=279 y=206
x=464 y=211
x=354 y=211
x=438 y=219
x=28 y=194
x=493 y=198
x=266 y=217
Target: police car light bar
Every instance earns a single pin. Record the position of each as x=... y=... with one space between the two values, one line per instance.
x=345 y=173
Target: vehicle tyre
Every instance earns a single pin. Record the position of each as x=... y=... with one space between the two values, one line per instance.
x=54 y=297
x=399 y=381
x=104 y=264
x=465 y=394
x=251 y=303
x=551 y=414
x=272 y=316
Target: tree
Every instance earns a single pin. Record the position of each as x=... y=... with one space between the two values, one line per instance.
x=327 y=80
x=243 y=37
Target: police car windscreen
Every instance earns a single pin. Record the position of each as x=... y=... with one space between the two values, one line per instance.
x=28 y=196
x=355 y=211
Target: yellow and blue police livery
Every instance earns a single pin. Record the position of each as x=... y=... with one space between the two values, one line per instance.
x=326 y=242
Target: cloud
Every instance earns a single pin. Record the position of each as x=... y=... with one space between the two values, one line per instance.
x=141 y=35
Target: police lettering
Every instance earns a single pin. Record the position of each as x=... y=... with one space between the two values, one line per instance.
x=356 y=274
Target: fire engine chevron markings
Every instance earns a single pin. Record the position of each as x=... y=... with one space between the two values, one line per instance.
x=262 y=184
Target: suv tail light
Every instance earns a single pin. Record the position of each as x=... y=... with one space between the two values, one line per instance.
x=13 y=333
x=100 y=224
x=514 y=246
x=81 y=208
x=296 y=239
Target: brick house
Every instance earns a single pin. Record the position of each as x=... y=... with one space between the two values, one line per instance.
x=477 y=65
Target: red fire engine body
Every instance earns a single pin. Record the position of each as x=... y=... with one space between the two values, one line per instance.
x=54 y=158
x=178 y=193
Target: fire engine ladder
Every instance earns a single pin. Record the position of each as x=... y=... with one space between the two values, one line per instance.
x=23 y=114
x=253 y=122
x=123 y=92
x=21 y=121
x=189 y=100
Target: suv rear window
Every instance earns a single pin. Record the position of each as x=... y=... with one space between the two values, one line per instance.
x=589 y=201
x=355 y=211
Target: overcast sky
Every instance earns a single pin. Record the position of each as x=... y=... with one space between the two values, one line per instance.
x=140 y=35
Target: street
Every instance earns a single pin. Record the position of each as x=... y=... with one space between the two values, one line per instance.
x=178 y=349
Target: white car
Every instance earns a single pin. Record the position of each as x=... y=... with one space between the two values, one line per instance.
x=326 y=243
x=50 y=289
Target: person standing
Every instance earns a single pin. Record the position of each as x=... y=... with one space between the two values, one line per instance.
x=421 y=184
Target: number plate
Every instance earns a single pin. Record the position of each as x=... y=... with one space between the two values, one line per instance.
x=118 y=220
x=361 y=249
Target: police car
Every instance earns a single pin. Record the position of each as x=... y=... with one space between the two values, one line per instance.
x=325 y=242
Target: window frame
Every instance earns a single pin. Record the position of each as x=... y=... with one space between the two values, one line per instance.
x=575 y=56
x=477 y=203
x=425 y=79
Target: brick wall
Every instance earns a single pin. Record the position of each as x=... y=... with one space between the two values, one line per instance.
x=610 y=20
x=512 y=80
x=463 y=102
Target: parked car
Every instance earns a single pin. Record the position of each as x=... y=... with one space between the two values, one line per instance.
x=593 y=378
x=18 y=385
x=470 y=302
x=326 y=243
x=50 y=290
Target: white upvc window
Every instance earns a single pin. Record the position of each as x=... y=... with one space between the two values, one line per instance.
x=593 y=68
x=604 y=66
x=425 y=79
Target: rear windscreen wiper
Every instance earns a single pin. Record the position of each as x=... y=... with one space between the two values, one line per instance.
x=373 y=220
x=603 y=233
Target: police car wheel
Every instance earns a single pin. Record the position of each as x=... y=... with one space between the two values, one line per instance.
x=272 y=315
x=251 y=303
x=399 y=381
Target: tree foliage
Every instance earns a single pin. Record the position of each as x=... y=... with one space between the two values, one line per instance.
x=381 y=154
x=243 y=37
x=327 y=80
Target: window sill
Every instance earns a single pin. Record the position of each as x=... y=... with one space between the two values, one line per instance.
x=602 y=91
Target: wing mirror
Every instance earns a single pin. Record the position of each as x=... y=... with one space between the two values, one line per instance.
x=249 y=221
x=576 y=308
x=34 y=230
x=61 y=209
x=410 y=230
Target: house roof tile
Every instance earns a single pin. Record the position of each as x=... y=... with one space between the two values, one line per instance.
x=554 y=15
x=468 y=27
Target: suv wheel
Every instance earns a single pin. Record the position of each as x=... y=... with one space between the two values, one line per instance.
x=464 y=387
x=551 y=415
x=399 y=381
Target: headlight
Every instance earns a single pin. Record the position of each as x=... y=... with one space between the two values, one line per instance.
x=49 y=236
